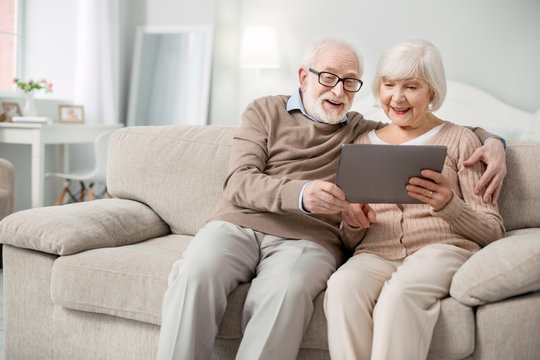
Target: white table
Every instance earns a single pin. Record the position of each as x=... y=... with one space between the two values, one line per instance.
x=38 y=135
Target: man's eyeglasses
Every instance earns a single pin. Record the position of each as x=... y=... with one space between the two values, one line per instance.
x=331 y=80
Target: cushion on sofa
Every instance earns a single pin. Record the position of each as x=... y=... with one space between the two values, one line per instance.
x=505 y=268
x=506 y=329
x=180 y=170
x=519 y=203
x=127 y=281
x=5 y=203
x=446 y=340
x=68 y=229
x=447 y=343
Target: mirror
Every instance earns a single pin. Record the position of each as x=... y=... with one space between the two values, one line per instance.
x=171 y=76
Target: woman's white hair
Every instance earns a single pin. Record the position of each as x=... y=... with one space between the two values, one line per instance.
x=313 y=51
x=413 y=59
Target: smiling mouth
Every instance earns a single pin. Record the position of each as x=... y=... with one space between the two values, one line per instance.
x=400 y=111
x=333 y=103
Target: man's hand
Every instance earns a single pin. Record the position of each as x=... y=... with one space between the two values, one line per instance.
x=359 y=215
x=493 y=155
x=323 y=197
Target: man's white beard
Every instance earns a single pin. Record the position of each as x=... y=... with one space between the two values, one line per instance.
x=315 y=106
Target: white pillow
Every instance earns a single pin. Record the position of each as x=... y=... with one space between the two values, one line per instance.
x=505 y=268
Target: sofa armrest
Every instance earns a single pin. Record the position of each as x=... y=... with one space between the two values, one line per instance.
x=505 y=268
x=69 y=229
x=7 y=188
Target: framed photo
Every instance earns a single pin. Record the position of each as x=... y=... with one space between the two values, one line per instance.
x=71 y=114
x=11 y=109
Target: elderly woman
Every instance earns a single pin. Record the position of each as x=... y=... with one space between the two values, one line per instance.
x=383 y=303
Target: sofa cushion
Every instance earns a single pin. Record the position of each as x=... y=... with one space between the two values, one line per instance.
x=184 y=186
x=127 y=281
x=5 y=203
x=519 y=203
x=68 y=229
x=453 y=336
x=506 y=329
x=505 y=268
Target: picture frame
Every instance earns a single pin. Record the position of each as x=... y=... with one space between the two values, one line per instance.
x=73 y=114
x=10 y=109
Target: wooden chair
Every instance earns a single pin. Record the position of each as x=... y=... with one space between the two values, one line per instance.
x=87 y=178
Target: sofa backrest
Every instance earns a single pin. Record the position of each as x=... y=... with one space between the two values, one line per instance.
x=176 y=170
x=519 y=203
x=179 y=171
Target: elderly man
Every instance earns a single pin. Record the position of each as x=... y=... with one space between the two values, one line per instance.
x=278 y=223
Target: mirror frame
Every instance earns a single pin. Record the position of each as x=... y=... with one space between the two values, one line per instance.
x=136 y=66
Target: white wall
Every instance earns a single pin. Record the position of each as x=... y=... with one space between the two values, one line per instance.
x=49 y=52
x=50 y=39
x=180 y=12
x=491 y=44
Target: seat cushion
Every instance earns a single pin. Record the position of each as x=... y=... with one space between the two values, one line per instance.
x=130 y=281
x=453 y=336
x=454 y=333
x=127 y=281
x=506 y=329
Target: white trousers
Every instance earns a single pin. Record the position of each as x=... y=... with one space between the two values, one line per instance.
x=285 y=276
x=382 y=309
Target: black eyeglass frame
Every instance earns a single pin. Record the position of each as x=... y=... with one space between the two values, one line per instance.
x=319 y=73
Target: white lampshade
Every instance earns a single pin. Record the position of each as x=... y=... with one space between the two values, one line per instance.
x=259 y=48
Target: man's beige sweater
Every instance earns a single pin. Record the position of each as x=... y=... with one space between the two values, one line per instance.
x=274 y=153
x=466 y=221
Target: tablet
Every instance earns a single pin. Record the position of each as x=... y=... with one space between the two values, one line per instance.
x=370 y=173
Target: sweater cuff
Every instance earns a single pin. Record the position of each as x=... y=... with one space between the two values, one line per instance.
x=452 y=210
x=351 y=236
x=300 y=198
x=498 y=138
x=290 y=195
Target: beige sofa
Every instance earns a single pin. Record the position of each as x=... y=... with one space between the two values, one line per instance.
x=86 y=281
x=7 y=188
x=7 y=192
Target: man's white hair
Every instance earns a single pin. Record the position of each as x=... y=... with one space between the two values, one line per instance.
x=313 y=51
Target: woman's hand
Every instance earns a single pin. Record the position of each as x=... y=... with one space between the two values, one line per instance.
x=436 y=193
x=358 y=215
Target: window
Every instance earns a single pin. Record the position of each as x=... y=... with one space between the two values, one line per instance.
x=9 y=42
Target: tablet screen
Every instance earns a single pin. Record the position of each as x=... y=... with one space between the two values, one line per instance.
x=373 y=173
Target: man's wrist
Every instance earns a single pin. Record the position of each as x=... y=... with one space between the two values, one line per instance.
x=498 y=138
x=300 y=202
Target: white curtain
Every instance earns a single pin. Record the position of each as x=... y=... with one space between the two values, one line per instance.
x=97 y=77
